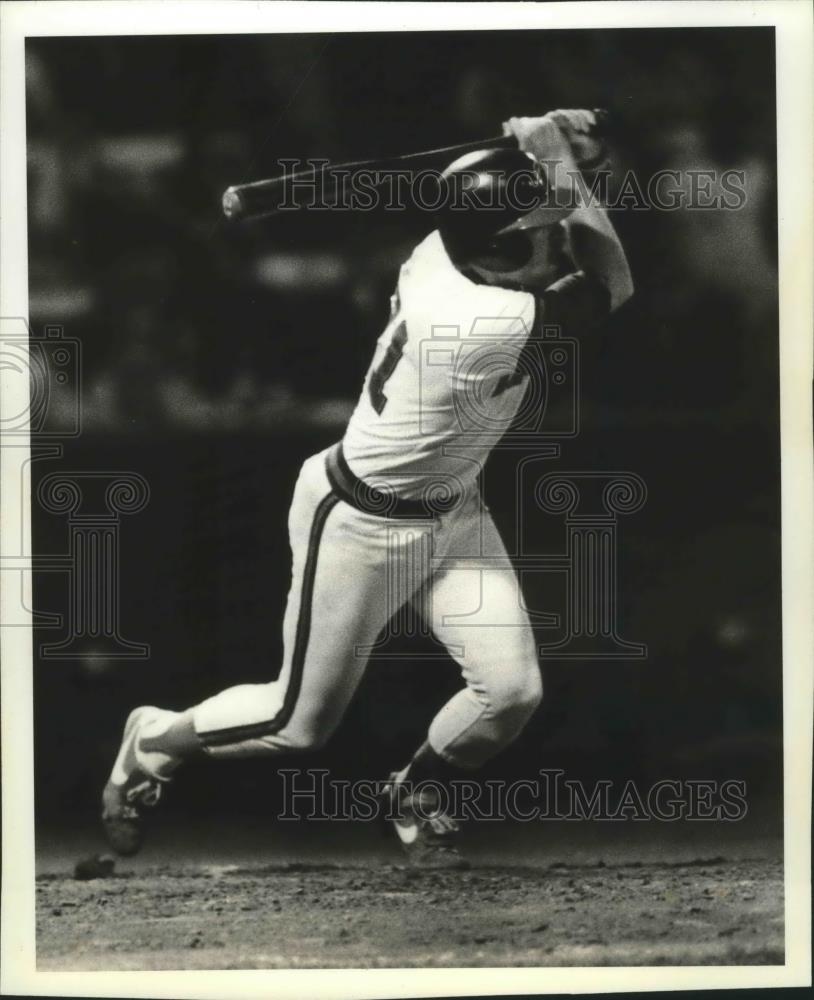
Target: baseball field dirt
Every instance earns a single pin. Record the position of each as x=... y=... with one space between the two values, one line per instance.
x=704 y=910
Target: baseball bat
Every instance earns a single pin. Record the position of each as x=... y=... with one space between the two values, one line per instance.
x=263 y=198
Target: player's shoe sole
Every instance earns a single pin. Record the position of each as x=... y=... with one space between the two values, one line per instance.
x=428 y=837
x=129 y=790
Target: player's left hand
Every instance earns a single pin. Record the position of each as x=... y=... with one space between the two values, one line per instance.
x=579 y=128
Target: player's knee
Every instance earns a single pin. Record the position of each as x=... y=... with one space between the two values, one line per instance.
x=529 y=691
x=518 y=694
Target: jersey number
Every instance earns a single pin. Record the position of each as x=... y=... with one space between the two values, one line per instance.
x=386 y=367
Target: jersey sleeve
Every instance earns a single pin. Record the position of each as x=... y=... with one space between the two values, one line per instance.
x=576 y=302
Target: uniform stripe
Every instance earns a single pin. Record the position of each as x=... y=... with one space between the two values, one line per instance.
x=255 y=730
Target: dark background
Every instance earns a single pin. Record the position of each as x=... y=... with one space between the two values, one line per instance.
x=216 y=358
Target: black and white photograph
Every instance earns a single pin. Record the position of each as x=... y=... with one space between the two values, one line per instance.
x=407 y=506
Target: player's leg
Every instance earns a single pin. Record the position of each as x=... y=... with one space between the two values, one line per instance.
x=338 y=602
x=335 y=607
x=477 y=611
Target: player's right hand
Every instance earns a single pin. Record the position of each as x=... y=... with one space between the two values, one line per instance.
x=543 y=137
x=545 y=140
x=565 y=135
x=579 y=128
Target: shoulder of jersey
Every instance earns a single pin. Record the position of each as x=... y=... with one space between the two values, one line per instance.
x=493 y=300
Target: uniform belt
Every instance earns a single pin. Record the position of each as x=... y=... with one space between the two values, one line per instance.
x=382 y=503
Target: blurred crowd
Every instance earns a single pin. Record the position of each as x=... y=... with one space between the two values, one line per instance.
x=189 y=322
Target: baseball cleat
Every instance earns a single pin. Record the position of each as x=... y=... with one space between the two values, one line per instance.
x=129 y=790
x=426 y=833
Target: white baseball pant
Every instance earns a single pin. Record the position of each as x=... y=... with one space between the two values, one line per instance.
x=352 y=571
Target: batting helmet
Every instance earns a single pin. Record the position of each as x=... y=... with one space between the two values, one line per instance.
x=487 y=199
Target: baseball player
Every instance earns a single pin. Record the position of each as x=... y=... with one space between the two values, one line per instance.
x=392 y=515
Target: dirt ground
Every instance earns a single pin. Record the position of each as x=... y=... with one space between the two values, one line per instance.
x=296 y=915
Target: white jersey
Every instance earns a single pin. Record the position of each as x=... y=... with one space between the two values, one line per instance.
x=446 y=380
